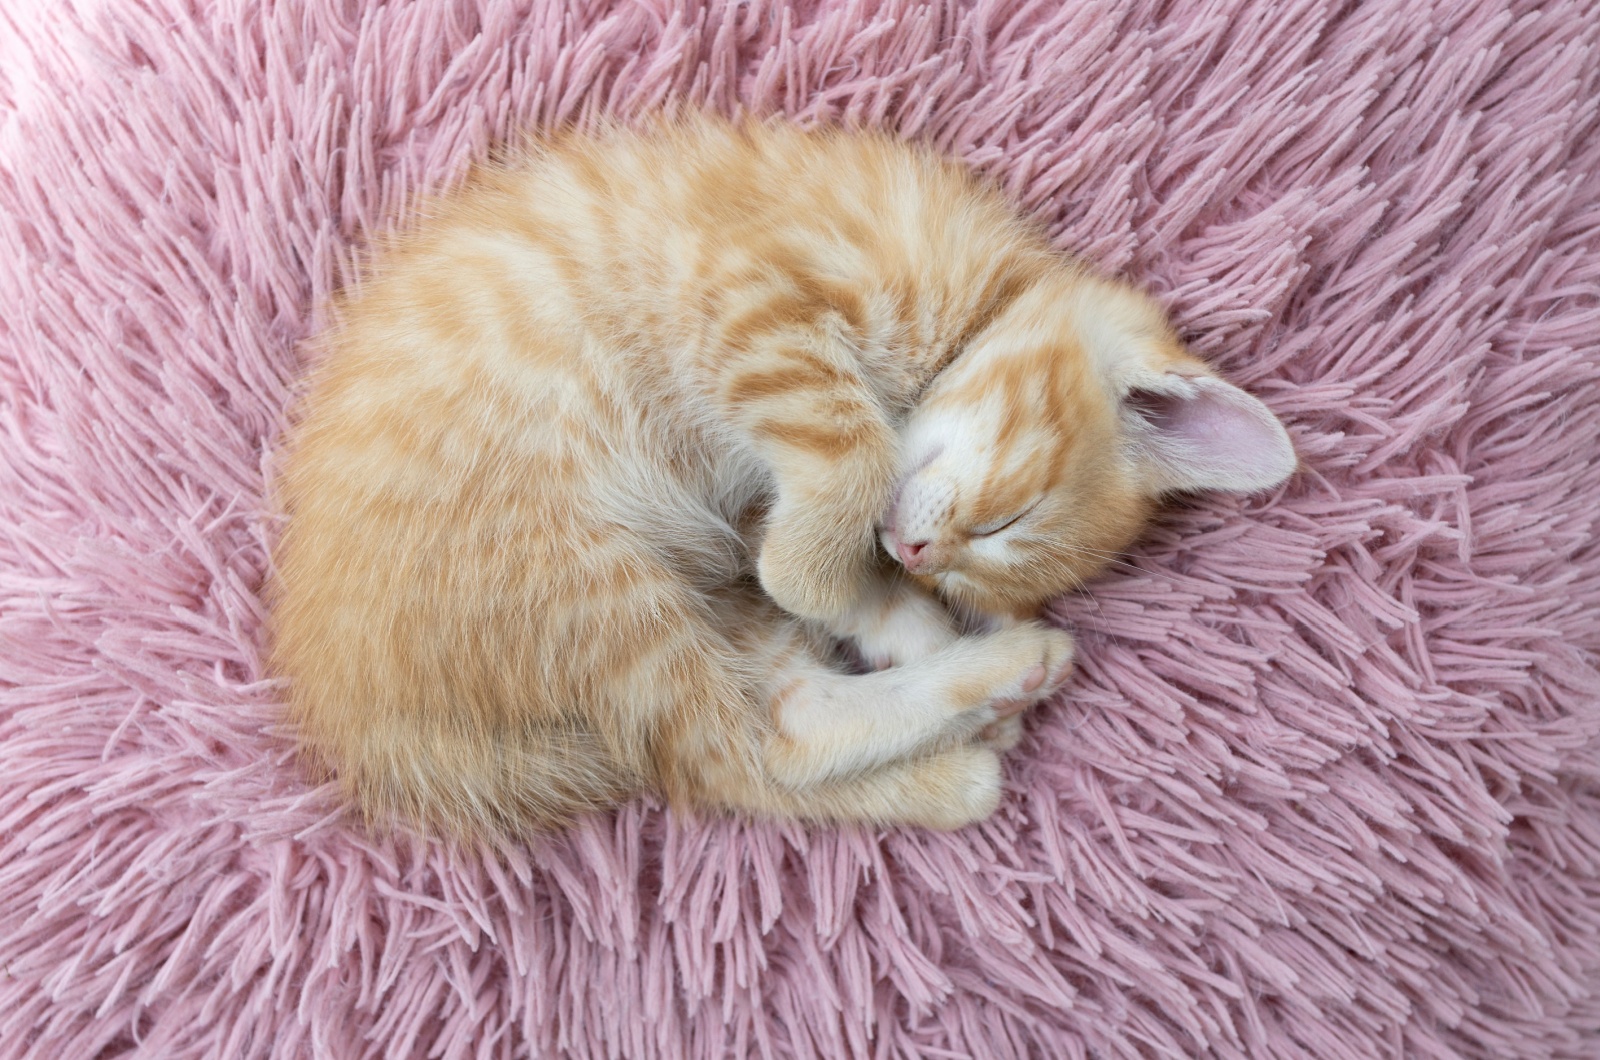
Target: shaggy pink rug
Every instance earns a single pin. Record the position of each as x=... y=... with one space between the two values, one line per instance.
x=1326 y=786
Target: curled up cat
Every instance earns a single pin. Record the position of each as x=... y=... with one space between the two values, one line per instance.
x=607 y=453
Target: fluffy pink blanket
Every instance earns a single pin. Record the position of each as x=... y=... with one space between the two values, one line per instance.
x=1325 y=787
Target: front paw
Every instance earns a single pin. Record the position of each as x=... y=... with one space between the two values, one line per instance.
x=814 y=568
x=905 y=626
x=1014 y=669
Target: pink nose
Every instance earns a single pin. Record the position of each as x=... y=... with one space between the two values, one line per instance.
x=911 y=553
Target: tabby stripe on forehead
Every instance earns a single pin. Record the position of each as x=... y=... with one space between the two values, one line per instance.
x=1004 y=287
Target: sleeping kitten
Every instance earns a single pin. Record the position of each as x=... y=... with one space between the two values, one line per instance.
x=593 y=469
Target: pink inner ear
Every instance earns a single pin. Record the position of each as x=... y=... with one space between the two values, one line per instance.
x=1215 y=437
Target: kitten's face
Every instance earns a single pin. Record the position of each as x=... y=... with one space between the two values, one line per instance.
x=1002 y=524
x=1040 y=454
x=1015 y=487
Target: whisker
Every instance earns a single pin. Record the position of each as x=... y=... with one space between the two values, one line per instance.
x=1114 y=559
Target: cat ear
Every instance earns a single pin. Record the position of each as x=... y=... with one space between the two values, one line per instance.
x=1196 y=432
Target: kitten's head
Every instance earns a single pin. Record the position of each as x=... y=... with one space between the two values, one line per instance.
x=1042 y=450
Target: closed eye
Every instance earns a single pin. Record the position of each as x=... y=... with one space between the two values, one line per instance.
x=994 y=526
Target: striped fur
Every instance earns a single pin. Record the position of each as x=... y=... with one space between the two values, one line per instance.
x=596 y=462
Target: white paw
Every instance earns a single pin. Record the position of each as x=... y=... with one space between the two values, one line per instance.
x=906 y=627
x=1051 y=651
x=1012 y=670
x=1002 y=734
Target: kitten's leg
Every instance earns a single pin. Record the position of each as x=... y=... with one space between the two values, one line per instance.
x=830 y=725
x=897 y=623
x=948 y=790
x=1002 y=735
x=792 y=389
x=890 y=747
x=944 y=790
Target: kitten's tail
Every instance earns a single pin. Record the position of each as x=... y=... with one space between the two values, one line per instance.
x=484 y=785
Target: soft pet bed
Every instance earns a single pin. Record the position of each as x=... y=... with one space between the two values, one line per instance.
x=1324 y=787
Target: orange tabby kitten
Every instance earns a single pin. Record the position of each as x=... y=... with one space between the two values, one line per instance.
x=593 y=471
